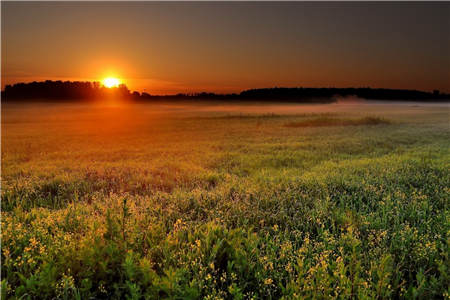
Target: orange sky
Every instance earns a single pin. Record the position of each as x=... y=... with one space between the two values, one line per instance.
x=164 y=48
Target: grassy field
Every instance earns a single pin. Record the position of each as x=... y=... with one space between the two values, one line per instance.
x=215 y=201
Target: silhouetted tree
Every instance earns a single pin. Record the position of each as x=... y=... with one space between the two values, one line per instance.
x=68 y=90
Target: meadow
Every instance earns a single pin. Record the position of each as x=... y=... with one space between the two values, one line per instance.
x=221 y=201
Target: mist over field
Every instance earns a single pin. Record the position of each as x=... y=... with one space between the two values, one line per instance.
x=183 y=108
x=218 y=200
x=225 y=150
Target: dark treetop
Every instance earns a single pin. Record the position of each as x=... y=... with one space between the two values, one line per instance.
x=94 y=91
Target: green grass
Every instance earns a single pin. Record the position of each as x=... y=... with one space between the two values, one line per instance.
x=189 y=202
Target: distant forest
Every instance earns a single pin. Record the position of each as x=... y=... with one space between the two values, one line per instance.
x=92 y=91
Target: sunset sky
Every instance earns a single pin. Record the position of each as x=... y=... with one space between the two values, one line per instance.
x=172 y=47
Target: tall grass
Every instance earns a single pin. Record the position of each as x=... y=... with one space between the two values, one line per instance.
x=327 y=121
x=221 y=208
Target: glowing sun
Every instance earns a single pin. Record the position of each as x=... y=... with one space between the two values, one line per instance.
x=111 y=82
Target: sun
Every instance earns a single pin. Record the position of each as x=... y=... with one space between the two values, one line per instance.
x=111 y=82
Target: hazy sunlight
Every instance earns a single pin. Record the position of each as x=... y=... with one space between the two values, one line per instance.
x=111 y=82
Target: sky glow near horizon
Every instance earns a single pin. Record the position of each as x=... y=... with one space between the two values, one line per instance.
x=164 y=48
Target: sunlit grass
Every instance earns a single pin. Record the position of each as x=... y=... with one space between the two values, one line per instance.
x=153 y=202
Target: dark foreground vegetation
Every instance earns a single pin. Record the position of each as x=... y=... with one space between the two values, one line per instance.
x=144 y=201
x=329 y=121
x=94 y=91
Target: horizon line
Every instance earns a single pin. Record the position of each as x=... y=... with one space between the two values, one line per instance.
x=230 y=93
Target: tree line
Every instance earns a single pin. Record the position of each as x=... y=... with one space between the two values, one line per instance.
x=62 y=90
x=92 y=91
